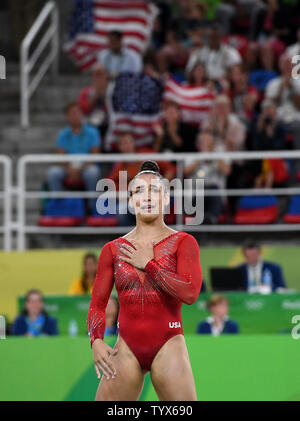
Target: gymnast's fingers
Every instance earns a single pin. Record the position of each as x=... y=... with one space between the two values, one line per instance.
x=126 y=252
x=97 y=371
x=125 y=259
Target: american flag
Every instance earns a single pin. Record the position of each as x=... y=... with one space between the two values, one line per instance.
x=134 y=103
x=92 y=20
x=195 y=102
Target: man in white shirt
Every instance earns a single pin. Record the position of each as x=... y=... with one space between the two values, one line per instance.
x=217 y=57
x=117 y=59
x=284 y=91
x=294 y=49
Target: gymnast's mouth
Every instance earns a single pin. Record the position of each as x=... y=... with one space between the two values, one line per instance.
x=147 y=207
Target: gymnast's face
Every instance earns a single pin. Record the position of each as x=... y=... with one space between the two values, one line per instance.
x=148 y=197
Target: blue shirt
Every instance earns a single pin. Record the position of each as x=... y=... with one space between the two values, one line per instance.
x=78 y=143
x=35 y=327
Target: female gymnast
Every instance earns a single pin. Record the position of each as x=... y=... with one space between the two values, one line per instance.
x=155 y=269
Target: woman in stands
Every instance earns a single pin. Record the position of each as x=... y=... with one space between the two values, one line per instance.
x=155 y=269
x=84 y=285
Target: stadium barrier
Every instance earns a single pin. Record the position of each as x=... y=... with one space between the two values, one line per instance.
x=21 y=227
x=5 y=196
x=24 y=195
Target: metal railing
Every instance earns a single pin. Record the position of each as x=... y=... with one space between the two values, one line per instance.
x=23 y=229
x=27 y=63
x=5 y=196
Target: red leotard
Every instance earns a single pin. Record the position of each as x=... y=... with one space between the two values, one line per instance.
x=150 y=300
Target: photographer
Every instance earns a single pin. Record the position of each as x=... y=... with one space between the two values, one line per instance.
x=269 y=133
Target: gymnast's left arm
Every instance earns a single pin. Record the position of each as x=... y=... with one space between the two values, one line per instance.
x=185 y=283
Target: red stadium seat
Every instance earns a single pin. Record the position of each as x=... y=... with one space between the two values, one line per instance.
x=102 y=221
x=266 y=215
x=292 y=219
x=59 y=221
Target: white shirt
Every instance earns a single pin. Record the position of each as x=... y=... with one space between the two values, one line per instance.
x=287 y=112
x=293 y=50
x=216 y=62
x=209 y=170
x=255 y=273
x=216 y=330
x=126 y=61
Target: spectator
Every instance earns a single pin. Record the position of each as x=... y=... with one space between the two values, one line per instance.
x=76 y=138
x=225 y=126
x=285 y=92
x=217 y=57
x=243 y=96
x=84 y=285
x=218 y=323
x=260 y=275
x=92 y=99
x=111 y=316
x=214 y=174
x=117 y=59
x=174 y=135
x=269 y=133
x=172 y=56
x=127 y=145
x=294 y=49
x=34 y=320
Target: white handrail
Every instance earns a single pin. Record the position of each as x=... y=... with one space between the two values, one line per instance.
x=6 y=229
x=23 y=229
x=27 y=63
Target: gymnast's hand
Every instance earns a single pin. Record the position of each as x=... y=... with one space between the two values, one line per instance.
x=138 y=256
x=102 y=359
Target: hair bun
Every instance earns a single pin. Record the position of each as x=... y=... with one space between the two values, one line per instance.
x=150 y=166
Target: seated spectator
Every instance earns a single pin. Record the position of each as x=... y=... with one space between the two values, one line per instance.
x=111 y=317
x=226 y=127
x=126 y=145
x=84 y=285
x=260 y=275
x=173 y=56
x=285 y=92
x=218 y=323
x=217 y=56
x=214 y=174
x=173 y=135
x=76 y=138
x=294 y=49
x=268 y=133
x=243 y=96
x=117 y=59
x=92 y=99
x=34 y=320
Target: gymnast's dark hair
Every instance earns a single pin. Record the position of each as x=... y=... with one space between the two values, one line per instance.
x=150 y=167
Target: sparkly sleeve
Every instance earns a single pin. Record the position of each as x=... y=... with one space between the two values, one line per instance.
x=185 y=284
x=101 y=292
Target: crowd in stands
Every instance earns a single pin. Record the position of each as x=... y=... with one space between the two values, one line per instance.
x=241 y=59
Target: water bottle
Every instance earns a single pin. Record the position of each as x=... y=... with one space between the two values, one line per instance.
x=73 y=328
x=266 y=286
x=267 y=277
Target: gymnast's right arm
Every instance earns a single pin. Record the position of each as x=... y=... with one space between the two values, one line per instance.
x=96 y=316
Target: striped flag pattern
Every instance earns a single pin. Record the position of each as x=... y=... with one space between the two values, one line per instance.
x=196 y=102
x=134 y=103
x=92 y=20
